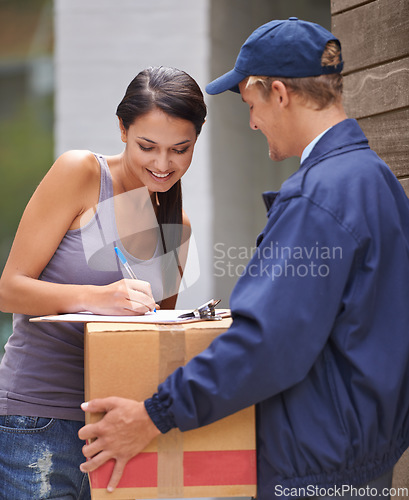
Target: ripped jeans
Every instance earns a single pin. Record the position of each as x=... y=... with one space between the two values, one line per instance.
x=40 y=458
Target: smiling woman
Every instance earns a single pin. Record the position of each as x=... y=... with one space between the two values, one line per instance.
x=85 y=206
x=173 y=110
x=160 y=117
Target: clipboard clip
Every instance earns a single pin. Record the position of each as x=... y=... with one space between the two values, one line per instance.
x=205 y=311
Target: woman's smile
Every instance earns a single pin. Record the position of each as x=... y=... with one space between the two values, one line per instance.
x=160 y=177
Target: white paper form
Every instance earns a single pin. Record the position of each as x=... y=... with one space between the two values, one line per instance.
x=164 y=316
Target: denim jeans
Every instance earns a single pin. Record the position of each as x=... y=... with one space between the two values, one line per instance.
x=40 y=458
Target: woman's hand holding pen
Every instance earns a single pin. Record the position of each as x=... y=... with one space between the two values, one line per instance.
x=124 y=297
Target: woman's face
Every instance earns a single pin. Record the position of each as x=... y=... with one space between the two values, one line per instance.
x=159 y=149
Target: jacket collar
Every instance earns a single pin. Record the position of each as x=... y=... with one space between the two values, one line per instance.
x=342 y=137
x=269 y=197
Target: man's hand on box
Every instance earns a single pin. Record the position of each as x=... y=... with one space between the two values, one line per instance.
x=124 y=431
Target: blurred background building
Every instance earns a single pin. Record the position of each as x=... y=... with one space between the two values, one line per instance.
x=64 y=67
x=101 y=45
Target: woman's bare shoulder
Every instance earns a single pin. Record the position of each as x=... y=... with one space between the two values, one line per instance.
x=186 y=221
x=76 y=171
x=186 y=227
x=73 y=180
x=82 y=163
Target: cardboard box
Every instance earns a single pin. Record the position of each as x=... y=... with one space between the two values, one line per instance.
x=130 y=360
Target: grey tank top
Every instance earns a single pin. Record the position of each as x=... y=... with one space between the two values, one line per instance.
x=42 y=370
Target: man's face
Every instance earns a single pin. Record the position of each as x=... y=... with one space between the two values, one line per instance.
x=266 y=116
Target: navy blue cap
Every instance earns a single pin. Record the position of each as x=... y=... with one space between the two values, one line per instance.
x=290 y=48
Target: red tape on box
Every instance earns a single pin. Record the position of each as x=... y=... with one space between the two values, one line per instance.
x=200 y=468
x=218 y=468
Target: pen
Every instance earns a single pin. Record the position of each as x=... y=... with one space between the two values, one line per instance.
x=122 y=258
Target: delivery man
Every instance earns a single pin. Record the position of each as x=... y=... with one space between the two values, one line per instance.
x=320 y=333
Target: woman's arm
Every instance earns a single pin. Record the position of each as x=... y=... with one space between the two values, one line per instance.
x=69 y=188
x=170 y=302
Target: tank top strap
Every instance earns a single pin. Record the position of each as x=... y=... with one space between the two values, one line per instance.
x=107 y=191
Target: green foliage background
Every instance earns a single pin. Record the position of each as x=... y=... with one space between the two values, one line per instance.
x=26 y=117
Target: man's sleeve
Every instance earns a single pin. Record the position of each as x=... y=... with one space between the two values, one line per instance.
x=284 y=308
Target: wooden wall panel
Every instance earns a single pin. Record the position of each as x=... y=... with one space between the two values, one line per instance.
x=405 y=184
x=338 y=6
x=375 y=45
x=401 y=477
x=388 y=136
x=373 y=33
x=377 y=90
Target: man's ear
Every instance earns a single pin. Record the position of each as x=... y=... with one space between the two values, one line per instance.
x=124 y=132
x=279 y=91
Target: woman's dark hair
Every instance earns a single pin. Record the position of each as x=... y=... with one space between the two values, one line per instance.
x=177 y=94
x=169 y=89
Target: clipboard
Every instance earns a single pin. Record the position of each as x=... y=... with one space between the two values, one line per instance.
x=205 y=312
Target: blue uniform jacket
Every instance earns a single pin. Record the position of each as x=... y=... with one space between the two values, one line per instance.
x=320 y=333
